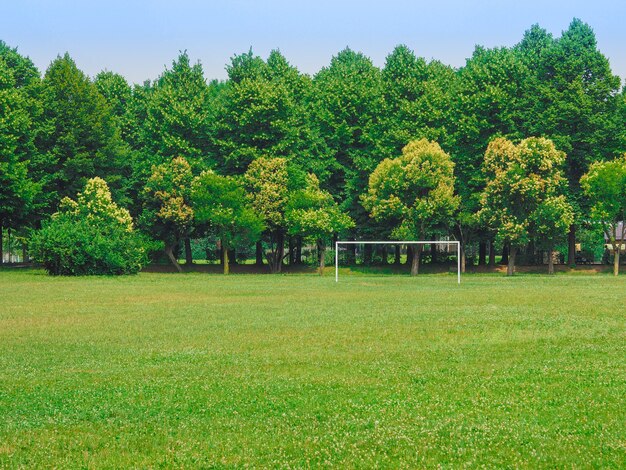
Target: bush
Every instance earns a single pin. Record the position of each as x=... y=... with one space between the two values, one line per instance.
x=90 y=236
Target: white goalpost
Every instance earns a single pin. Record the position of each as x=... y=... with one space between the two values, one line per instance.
x=397 y=242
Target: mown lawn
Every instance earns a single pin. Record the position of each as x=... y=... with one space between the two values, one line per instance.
x=166 y=370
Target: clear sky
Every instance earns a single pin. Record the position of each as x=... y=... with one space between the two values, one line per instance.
x=138 y=38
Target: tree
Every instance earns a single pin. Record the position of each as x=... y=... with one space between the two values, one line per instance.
x=80 y=139
x=178 y=116
x=91 y=235
x=18 y=191
x=524 y=192
x=414 y=193
x=220 y=202
x=269 y=185
x=571 y=99
x=348 y=104
x=549 y=224
x=167 y=212
x=605 y=187
x=263 y=112
x=417 y=101
x=313 y=214
x=487 y=102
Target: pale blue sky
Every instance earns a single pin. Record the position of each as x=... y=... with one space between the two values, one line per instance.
x=139 y=38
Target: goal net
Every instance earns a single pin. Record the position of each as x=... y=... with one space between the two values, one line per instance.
x=435 y=255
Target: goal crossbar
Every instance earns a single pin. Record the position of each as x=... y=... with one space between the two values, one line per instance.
x=401 y=242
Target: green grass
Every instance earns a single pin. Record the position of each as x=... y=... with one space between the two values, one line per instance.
x=203 y=370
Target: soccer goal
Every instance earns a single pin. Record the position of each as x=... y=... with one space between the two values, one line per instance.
x=435 y=244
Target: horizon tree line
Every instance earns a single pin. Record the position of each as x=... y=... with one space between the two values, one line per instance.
x=324 y=135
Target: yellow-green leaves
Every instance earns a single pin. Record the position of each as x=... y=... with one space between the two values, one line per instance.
x=415 y=191
x=524 y=193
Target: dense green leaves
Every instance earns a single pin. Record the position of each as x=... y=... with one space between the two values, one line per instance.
x=605 y=186
x=91 y=235
x=414 y=193
x=220 y=202
x=311 y=152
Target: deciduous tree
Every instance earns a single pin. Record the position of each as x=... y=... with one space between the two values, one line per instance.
x=220 y=202
x=605 y=187
x=313 y=214
x=414 y=193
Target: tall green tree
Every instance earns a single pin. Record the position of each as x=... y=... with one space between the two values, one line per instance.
x=417 y=101
x=18 y=191
x=263 y=111
x=572 y=100
x=524 y=193
x=605 y=187
x=348 y=106
x=312 y=213
x=167 y=208
x=220 y=202
x=487 y=103
x=178 y=116
x=81 y=138
x=414 y=193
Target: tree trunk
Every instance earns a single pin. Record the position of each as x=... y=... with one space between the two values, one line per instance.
x=550 y=260
x=409 y=253
x=24 y=253
x=384 y=255
x=292 y=252
x=321 y=250
x=510 y=267
x=482 y=253
x=226 y=259
x=275 y=257
x=367 y=255
x=9 y=243
x=492 y=253
x=169 y=251
x=571 y=243
x=616 y=259
x=259 y=253
x=505 y=255
x=232 y=256
x=415 y=260
x=188 y=253
x=298 y=259
x=1 y=242
x=396 y=261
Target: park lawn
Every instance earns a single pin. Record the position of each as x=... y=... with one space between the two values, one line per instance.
x=294 y=370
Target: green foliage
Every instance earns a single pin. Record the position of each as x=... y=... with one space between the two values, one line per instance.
x=605 y=187
x=167 y=212
x=348 y=102
x=91 y=235
x=268 y=186
x=572 y=98
x=80 y=138
x=178 y=116
x=18 y=192
x=414 y=192
x=524 y=192
x=263 y=112
x=220 y=202
x=417 y=101
x=313 y=213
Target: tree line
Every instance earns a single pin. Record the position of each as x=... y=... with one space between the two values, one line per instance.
x=508 y=150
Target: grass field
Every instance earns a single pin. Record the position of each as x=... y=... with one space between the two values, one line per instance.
x=161 y=370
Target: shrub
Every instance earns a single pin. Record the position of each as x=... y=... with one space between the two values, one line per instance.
x=90 y=236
